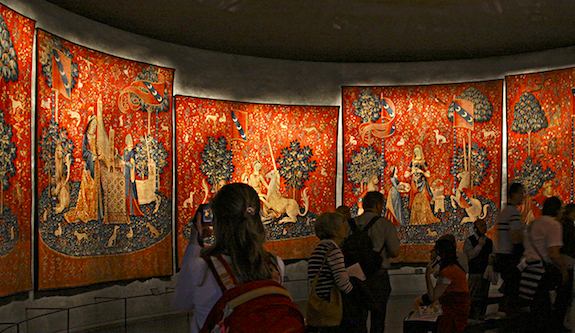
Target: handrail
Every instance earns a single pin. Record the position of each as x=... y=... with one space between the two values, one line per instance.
x=97 y=300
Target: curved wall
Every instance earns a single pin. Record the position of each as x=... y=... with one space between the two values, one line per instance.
x=241 y=78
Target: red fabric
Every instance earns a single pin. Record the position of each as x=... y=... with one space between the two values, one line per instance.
x=16 y=105
x=419 y=110
x=550 y=147
x=96 y=75
x=198 y=119
x=455 y=306
x=457 y=277
x=455 y=301
x=270 y=313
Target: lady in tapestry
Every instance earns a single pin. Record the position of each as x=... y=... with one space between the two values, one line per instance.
x=90 y=205
x=393 y=206
x=420 y=195
x=129 y=158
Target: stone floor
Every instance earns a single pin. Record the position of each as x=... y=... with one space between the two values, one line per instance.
x=399 y=306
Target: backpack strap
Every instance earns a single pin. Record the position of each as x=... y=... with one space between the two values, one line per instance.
x=222 y=271
x=253 y=294
x=371 y=223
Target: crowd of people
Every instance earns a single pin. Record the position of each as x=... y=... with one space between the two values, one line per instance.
x=235 y=283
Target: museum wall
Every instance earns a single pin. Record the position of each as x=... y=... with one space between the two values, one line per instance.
x=207 y=74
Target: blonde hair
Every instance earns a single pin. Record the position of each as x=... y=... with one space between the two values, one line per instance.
x=327 y=225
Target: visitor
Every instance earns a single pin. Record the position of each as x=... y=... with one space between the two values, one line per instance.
x=450 y=289
x=327 y=275
x=386 y=242
x=509 y=248
x=565 y=290
x=239 y=237
x=478 y=248
x=543 y=269
x=345 y=211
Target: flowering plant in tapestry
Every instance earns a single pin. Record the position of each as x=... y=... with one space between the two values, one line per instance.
x=367 y=106
x=365 y=164
x=217 y=163
x=528 y=117
x=295 y=164
x=9 y=59
x=148 y=147
x=479 y=163
x=532 y=175
x=52 y=137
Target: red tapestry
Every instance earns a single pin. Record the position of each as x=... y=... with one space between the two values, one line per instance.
x=540 y=136
x=433 y=151
x=16 y=41
x=287 y=153
x=104 y=166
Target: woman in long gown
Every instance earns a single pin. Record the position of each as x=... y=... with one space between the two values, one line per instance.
x=132 y=204
x=393 y=206
x=420 y=195
x=89 y=206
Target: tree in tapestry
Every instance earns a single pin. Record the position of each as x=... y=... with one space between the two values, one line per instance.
x=286 y=153
x=104 y=179
x=540 y=140
x=16 y=46
x=433 y=151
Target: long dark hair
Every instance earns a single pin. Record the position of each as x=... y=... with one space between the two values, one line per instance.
x=239 y=232
x=446 y=249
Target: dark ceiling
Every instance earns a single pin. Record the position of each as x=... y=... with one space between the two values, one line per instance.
x=345 y=30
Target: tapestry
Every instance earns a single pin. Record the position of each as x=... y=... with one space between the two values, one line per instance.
x=16 y=42
x=104 y=166
x=287 y=153
x=540 y=133
x=433 y=151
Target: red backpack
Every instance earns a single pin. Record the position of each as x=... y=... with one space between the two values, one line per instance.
x=262 y=306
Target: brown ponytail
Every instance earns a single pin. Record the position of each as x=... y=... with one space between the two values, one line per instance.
x=239 y=232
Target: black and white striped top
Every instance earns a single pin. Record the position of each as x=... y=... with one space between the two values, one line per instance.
x=333 y=271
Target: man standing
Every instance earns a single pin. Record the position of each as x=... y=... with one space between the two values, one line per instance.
x=478 y=248
x=509 y=247
x=385 y=241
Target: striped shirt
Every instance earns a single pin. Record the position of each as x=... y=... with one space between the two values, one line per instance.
x=509 y=219
x=333 y=271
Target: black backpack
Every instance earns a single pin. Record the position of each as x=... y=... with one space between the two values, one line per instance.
x=358 y=248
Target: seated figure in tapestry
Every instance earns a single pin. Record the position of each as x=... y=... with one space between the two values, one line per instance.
x=421 y=194
x=89 y=205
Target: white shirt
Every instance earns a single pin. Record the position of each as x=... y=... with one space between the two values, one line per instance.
x=544 y=232
x=508 y=220
x=197 y=289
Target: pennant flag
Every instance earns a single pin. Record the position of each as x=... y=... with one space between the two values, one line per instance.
x=149 y=92
x=62 y=73
x=240 y=120
x=463 y=115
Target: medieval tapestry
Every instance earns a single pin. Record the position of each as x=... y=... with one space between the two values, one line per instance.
x=104 y=166
x=541 y=136
x=433 y=151
x=287 y=153
x=16 y=41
